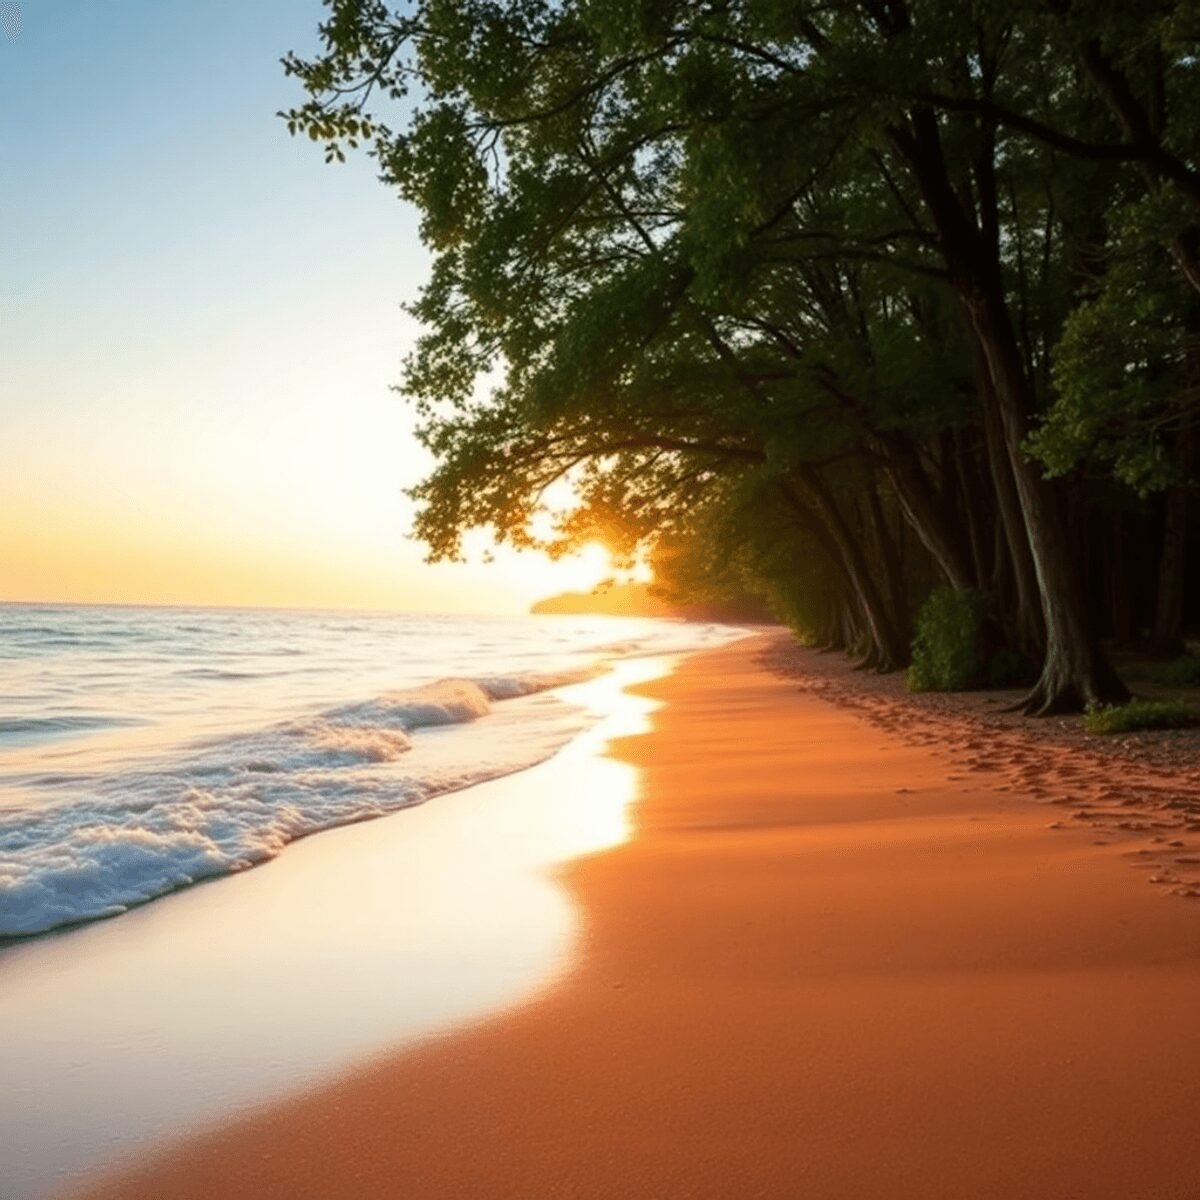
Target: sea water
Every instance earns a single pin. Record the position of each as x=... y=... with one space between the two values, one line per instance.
x=145 y=749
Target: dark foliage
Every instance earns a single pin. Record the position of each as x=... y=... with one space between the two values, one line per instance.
x=839 y=302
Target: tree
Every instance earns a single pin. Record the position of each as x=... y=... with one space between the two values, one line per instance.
x=820 y=254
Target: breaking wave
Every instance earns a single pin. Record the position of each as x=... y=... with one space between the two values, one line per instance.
x=153 y=752
x=238 y=801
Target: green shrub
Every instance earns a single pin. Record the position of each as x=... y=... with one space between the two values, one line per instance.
x=1142 y=714
x=1182 y=672
x=947 y=651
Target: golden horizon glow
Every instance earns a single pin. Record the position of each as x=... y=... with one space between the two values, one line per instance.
x=75 y=554
x=268 y=474
x=199 y=336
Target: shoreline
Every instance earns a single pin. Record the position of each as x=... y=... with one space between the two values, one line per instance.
x=907 y=988
x=243 y=990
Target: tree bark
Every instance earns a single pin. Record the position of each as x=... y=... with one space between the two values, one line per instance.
x=887 y=650
x=1024 y=622
x=832 y=635
x=893 y=569
x=974 y=508
x=1075 y=673
x=923 y=512
x=1166 y=630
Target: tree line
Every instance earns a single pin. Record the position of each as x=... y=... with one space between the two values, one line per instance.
x=844 y=303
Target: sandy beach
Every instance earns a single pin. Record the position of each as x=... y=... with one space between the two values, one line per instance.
x=600 y=601
x=821 y=967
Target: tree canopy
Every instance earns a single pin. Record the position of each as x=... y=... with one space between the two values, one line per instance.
x=837 y=303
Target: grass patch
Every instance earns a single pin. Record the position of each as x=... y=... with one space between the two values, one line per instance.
x=1181 y=672
x=1142 y=714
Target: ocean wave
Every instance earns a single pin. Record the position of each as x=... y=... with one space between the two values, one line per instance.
x=238 y=801
x=106 y=839
x=51 y=726
x=506 y=687
x=447 y=702
x=220 y=673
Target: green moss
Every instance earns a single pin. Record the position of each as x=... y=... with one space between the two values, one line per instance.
x=1142 y=714
x=947 y=651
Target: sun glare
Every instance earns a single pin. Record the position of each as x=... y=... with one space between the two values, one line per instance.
x=533 y=572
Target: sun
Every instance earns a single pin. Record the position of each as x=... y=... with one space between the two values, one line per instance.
x=537 y=575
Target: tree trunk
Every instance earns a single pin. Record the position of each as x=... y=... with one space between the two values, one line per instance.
x=832 y=635
x=1024 y=622
x=1166 y=631
x=887 y=651
x=851 y=633
x=922 y=511
x=1075 y=673
x=973 y=508
x=893 y=569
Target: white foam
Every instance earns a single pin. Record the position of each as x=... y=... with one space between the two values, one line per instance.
x=240 y=801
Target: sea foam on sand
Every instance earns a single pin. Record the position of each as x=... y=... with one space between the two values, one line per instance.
x=239 y=801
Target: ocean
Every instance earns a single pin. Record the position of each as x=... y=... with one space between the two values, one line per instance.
x=145 y=749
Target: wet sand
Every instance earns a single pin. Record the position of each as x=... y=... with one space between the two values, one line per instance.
x=242 y=991
x=821 y=968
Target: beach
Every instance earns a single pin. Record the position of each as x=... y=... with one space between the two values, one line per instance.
x=819 y=967
x=228 y=995
x=600 y=601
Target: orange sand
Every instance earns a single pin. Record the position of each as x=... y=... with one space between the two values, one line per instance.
x=796 y=981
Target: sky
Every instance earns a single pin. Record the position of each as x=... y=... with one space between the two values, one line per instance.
x=199 y=325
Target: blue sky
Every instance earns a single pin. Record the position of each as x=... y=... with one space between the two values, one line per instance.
x=199 y=324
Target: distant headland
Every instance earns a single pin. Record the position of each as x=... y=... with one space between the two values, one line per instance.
x=635 y=599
